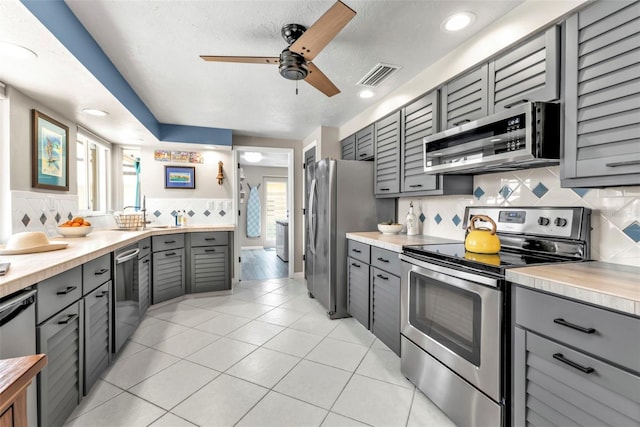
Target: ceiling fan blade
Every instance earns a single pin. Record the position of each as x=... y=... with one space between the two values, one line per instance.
x=243 y=59
x=323 y=31
x=317 y=79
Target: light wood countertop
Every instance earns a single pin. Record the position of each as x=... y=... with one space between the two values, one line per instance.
x=29 y=269
x=612 y=286
x=395 y=242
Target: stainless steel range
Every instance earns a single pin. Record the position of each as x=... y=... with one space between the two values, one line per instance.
x=454 y=307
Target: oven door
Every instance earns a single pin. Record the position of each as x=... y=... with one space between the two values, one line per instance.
x=455 y=320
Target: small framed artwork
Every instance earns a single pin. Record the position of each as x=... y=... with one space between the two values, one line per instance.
x=180 y=177
x=49 y=153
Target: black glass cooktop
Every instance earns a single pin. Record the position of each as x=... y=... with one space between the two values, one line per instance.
x=455 y=253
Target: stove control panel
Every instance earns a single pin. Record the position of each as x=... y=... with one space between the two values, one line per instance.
x=549 y=221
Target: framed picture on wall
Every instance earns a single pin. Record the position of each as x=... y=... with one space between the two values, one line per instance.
x=180 y=177
x=49 y=153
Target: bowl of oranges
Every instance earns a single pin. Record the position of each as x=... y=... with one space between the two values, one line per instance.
x=76 y=227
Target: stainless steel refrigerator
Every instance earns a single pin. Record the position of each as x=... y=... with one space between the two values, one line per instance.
x=341 y=200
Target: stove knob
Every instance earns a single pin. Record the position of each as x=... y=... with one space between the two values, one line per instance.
x=560 y=222
x=543 y=221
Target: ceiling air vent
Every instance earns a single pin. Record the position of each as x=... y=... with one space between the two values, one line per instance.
x=378 y=75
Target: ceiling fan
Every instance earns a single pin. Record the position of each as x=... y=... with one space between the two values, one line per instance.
x=294 y=62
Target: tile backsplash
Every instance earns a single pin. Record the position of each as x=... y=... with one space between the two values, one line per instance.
x=615 y=220
x=199 y=211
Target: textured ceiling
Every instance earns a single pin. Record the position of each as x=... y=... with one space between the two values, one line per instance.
x=155 y=45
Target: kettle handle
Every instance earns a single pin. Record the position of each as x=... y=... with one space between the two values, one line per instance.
x=472 y=223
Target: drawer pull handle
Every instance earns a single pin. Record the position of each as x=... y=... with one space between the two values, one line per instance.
x=168 y=242
x=384 y=189
x=363 y=154
x=561 y=358
x=209 y=238
x=626 y=163
x=102 y=294
x=355 y=265
x=209 y=250
x=145 y=247
x=356 y=250
x=461 y=122
x=415 y=186
x=68 y=319
x=170 y=254
x=101 y=271
x=573 y=326
x=382 y=277
x=67 y=290
x=382 y=259
x=522 y=101
x=146 y=261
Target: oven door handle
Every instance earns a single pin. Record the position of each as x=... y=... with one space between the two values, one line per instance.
x=126 y=256
x=434 y=271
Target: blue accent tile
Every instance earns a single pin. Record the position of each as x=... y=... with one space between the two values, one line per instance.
x=505 y=191
x=157 y=213
x=581 y=191
x=437 y=219
x=456 y=220
x=422 y=217
x=191 y=213
x=174 y=213
x=479 y=192
x=58 y=217
x=26 y=220
x=207 y=212
x=633 y=231
x=222 y=213
x=540 y=190
x=43 y=219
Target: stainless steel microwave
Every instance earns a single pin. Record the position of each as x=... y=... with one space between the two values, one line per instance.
x=517 y=138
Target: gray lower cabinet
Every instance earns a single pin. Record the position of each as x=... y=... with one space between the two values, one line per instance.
x=97 y=334
x=602 y=96
x=209 y=268
x=358 y=290
x=60 y=382
x=465 y=98
x=574 y=364
x=169 y=267
x=385 y=308
x=348 y=148
x=387 y=156
x=144 y=275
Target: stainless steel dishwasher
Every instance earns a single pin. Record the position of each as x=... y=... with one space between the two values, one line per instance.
x=126 y=304
x=18 y=337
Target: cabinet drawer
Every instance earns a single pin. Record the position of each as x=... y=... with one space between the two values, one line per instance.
x=359 y=251
x=168 y=241
x=211 y=238
x=57 y=292
x=145 y=247
x=567 y=387
x=386 y=260
x=603 y=333
x=95 y=273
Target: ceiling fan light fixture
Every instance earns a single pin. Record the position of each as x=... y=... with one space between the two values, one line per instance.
x=252 y=156
x=458 y=21
x=293 y=66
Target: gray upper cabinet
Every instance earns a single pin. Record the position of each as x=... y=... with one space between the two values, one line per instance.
x=348 y=147
x=528 y=72
x=420 y=119
x=364 y=143
x=465 y=98
x=602 y=96
x=387 y=155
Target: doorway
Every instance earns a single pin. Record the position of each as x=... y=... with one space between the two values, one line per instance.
x=264 y=199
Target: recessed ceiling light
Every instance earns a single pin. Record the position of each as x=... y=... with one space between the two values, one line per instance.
x=252 y=156
x=366 y=93
x=16 y=51
x=458 y=21
x=95 y=112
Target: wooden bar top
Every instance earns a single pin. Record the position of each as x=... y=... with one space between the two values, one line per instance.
x=16 y=374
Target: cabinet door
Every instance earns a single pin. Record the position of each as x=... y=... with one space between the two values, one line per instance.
x=348 y=148
x=97 y=334
x=529 y=72
x=602 y=96
x=210 y=269
x=358 y=291
x=420 y=119
x=60 y=382
x=364 y=143
x=385 y=308
x=555 y=385
x=168 y=275
x=387 y=155
x=464 y=99
x=144 y=284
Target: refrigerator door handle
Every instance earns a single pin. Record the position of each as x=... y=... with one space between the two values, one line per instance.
x=312 y=216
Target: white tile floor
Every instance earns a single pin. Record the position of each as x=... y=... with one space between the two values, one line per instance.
x=265 y=356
